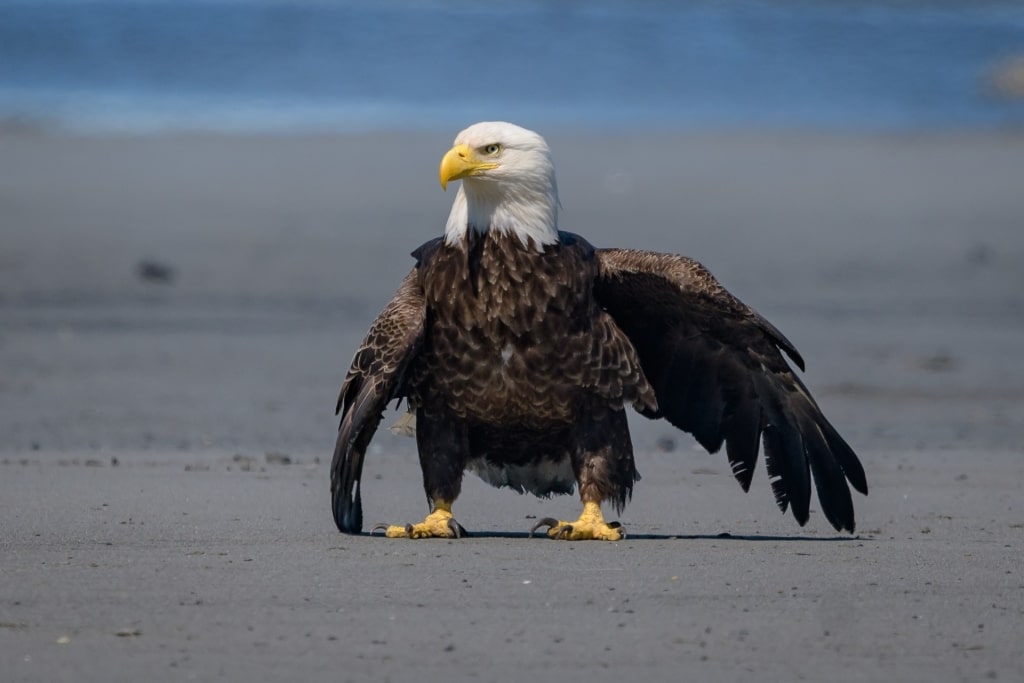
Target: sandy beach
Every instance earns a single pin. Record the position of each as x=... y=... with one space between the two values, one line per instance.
x=177 y=313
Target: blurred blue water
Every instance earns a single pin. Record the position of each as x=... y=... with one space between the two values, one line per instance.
x=344 y=65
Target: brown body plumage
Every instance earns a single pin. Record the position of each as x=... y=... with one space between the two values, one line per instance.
x=521 y=365
x=517 y=337
x=520 y=357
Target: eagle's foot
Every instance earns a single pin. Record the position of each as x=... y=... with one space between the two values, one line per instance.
x=589 y=527
x=438 y=524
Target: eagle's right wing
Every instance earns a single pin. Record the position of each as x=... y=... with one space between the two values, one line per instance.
x=376 y=377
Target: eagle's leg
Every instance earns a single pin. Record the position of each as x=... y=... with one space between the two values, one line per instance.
x=443 y=447
x=604 y=468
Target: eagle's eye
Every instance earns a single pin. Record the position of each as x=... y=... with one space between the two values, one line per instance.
x=492 y=149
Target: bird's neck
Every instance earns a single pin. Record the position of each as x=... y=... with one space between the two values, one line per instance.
x=531 y=214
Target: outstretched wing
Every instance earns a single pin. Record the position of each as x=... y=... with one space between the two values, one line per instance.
x=718 y=371
x=376 y=377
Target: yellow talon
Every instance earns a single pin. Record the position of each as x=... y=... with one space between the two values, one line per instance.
x=438 y=524
x=589 y=527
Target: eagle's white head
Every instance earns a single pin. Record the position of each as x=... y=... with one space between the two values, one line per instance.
x=508 y=184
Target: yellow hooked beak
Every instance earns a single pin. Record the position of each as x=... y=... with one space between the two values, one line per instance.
x=461 y=162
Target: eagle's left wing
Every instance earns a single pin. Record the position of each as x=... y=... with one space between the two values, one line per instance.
x=376 y=377
x=717 y=368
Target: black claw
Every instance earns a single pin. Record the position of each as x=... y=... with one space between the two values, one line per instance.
x=564 y=532
x=379 y=527
x=549 y=522
x=457 y=528
x=408 y=530
x=615 y=525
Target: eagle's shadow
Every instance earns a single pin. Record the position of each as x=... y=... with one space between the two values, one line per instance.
x=725 y=536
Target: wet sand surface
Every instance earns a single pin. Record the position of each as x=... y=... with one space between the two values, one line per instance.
x=177 y=313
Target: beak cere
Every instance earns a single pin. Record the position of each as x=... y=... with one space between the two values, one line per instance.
x=461 y=162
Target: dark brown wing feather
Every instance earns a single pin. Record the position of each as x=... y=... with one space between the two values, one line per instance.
x=376 y=377
x=718 y=373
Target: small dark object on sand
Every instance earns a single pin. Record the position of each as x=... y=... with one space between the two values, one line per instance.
x=278 y=459
x=155 y=272
x=665 y=444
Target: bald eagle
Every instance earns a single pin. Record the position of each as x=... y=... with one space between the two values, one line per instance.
x=518 y=347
